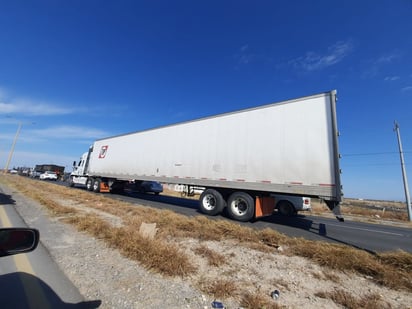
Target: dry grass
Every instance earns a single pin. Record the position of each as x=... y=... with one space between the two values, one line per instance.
x=256 y=301
x=213 y=258
x=345 y=299
x=326 y=275
x=219 y=288
x=154 y=254
x=392 y=269
x=367 y=210
x=382 y=268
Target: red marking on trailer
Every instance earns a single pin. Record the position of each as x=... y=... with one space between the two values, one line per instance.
x=223 y=179
x=265 y=181
x=241 y=180
x=103 y=151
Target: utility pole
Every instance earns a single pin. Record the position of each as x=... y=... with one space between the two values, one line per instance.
x=12 y=148
x=405 y=179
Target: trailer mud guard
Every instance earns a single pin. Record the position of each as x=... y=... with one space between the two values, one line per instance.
x=264 y=206
x=104 y=187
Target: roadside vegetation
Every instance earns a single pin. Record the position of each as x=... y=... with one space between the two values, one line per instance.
x=368 y=210
x=116 y=223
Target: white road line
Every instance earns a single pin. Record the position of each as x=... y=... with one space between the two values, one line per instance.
x=363 y=229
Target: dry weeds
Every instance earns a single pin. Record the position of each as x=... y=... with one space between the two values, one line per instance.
x=255 y=301
x=382 y=268
x=367 y=210
x=345 y=299
x=214 y=258
x=392 y=269
x=219 y=288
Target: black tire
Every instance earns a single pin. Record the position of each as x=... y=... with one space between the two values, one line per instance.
x=241 y=206
x=211 y=202
x=285 y=208
x=89 y=184
x=96 y=185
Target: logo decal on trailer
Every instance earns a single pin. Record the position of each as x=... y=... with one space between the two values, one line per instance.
x=103 y=152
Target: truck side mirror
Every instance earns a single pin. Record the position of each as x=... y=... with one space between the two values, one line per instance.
x=18 y=240
x=74 y=163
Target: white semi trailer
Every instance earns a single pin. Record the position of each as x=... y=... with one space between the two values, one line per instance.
x=241 y=158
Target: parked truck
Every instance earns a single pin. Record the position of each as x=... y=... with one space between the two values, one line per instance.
x=243 y=159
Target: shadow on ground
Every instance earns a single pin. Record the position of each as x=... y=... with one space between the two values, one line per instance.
x=22 y=290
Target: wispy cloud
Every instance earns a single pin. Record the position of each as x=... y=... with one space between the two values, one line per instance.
x=389 y=57
x=30 y=159
x=407 y=88
x=67 y=133
x=375 y=66
x=391 y=78
x=244 y=55
x=17 y=105
x=32 y=108
x=70 y=132
x=313 y=61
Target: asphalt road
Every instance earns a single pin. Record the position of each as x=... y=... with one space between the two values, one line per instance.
x=366 y=236
x=33 y=280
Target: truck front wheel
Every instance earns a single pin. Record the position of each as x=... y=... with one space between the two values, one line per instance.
x=211 y=202
x=241 y=206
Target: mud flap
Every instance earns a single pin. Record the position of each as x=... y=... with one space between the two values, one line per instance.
x=335 y=208
x=104 y=187
x=264 y=206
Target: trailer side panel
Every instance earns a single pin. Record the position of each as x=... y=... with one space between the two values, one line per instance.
x=288 y=147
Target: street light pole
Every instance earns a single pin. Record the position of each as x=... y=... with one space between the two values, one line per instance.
x=405 y=179
x=12 y=147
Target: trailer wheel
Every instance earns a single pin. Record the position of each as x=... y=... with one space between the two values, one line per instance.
x=96 y=185
x=211 y=202
x=89 y=184
x=285 y=208
x=241 y=206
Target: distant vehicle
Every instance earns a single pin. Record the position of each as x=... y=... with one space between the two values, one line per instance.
x=18 y=240
x=241 y=158
x=42 y=168
x=48 y=175
x=14 y=172
x=25 y=172
x=150 y=187
x=35 y=174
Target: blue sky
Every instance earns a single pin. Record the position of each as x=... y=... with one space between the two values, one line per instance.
x=75 y=71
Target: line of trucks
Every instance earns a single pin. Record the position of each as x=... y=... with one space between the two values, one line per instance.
x=245 y=161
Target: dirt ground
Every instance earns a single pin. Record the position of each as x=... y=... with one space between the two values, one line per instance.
x=102 y=273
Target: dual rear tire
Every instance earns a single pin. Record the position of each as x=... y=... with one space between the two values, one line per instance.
x=240 y=205
x=93 y=185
